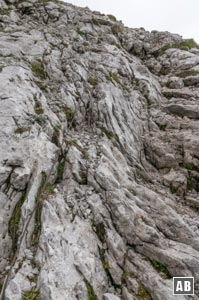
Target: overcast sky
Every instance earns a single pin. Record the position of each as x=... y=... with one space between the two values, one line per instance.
x=177 y=16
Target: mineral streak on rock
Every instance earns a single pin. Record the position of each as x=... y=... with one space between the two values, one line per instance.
x=99 y=156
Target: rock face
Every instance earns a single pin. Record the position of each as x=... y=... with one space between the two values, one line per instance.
x=99 y=156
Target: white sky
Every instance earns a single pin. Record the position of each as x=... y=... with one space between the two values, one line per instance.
x=176 y=16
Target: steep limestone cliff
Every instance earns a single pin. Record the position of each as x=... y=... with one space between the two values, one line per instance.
x=99 y=156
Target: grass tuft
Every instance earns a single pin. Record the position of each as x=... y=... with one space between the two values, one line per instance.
x=162 y=269
x=21 y=130
x=14 y=221
x=31 y=295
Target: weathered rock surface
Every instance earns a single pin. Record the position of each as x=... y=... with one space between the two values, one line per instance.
x=99 y=156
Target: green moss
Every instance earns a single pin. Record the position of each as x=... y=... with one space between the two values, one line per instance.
x=21 y=130
x=31 y=295
x=91 y=292
x=93 y=81
x=14 y=221
x=116 y=29
x=38 y=108
x=38 y=70
x=112 y=18
x=162 y=269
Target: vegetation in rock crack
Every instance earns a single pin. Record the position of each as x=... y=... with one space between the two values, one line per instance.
x=60 y=170
x=44 y=190
x=21 y=130
x=4 y=11
x=90 y=290
x=69 y=113
x=56 y=134
x=38 y=108
x=40 y=119
x=182 y=45
x=142 y=293
x=162 y=269
x=100 y=231
x=117 y=28
x=31 y=295
x=114 y=76
x=93 y=80
x=112 y=18
x=14 y=221
x=99 y=162
x=38 y=70
x=110 y=135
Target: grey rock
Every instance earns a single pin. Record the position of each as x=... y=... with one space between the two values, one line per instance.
x=108 y=296
x=99 y=163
